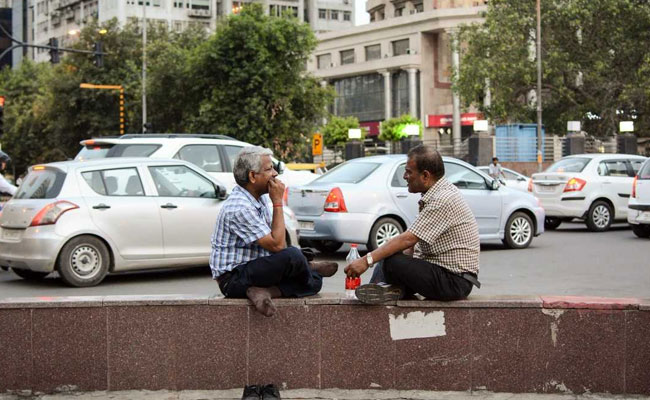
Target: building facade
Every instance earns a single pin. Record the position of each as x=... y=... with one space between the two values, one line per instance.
x=400 y=63
x=62 y=19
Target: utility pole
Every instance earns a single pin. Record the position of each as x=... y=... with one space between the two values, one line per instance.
x=539 y=87
x=120 y=88
x=144 y=66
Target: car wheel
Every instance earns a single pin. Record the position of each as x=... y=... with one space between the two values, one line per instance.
x=384 y=230
x=30 y=275
x=83 y=261
x=327 y=246
x=519 y=231
x=642 y=231
x=551 y=223
x=599 y=217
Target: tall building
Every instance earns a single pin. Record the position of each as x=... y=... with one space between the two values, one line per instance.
x=399 y=63
x=62 y=19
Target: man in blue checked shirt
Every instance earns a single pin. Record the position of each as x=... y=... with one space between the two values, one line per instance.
x=250 y=257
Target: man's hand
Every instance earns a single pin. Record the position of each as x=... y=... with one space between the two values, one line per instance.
x=356 y=267
x=276 y=190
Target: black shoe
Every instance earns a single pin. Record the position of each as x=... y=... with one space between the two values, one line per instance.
x=378 y=293
x=270 y=392
x=252 y=392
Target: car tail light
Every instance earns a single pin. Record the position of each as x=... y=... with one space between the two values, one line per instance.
x=575 y=185
x=335 y=201
x=51 y=213
x=634 y=186
x=530 y=185
x=285 y=196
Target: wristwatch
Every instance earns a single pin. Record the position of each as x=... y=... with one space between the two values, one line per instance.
x=369 y=260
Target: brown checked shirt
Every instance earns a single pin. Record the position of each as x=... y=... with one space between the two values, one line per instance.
x=446 y=229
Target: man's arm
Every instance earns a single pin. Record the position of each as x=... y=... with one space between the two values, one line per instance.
x=276 y=240
x=6 y=187
x=397 y=244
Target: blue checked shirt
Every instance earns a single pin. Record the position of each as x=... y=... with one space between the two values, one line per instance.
x=241 y=221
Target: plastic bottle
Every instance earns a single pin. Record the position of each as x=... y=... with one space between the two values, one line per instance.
x=352 y=283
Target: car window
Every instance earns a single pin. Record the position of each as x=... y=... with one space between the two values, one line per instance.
x=644 y=172
x=353 y=172
x=115 y=182
x=181 y=181
x=231 y=154
x=510 y=176
x=204 y=156
x=398 y=177
x=132 y=150
x=636 y=165
x=42 y=183
x=463 y=177
x=572 y=164
x=616 y=168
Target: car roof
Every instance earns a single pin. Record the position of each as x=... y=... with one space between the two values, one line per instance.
x=605 y=155
x=159 y=138
x=113 y=161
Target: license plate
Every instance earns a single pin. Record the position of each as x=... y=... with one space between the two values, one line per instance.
x=11 y=234
x=644 y=217
x=546 y=188
x=306 y=225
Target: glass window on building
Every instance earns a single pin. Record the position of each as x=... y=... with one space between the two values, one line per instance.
x=334 y=15
x=419 y=7
x=400 y=47
x=399 y=12
x=400 y=94
x=347 y=57
x=360 y=96
x=373 y=52
x=324 y=61
x=322 y=13
x=347 y=15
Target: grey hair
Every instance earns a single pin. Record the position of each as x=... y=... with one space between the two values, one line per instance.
x=248 y=159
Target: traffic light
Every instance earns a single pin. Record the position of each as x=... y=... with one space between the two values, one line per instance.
x=99 y=54
x=54 y=51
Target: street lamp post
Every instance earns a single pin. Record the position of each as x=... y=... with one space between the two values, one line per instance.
x=539 y=87
x=144 y=66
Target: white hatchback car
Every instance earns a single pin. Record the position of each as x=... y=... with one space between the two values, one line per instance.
x=591 y=187
x=85 y=219
x=639 y=215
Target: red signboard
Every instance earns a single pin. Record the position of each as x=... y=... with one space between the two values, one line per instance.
x=371 y=127
x=445 y=120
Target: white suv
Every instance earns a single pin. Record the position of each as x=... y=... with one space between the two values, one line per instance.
x=215 y=154
x=591 y=187
x=639 y=204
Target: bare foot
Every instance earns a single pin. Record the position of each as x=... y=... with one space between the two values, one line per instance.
x=261 y=298
x=324 y=268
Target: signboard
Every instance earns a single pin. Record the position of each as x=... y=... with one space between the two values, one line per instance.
x=411 y=130
x=573 y=126
x=481 y=125
x=445 y=120
x=317 y=144
x=626 y=126
x=354 y=133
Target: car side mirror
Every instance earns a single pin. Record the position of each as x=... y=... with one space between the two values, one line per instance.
x=494 y=184
x=222 y=193
x=279 y=167
x=521 y=179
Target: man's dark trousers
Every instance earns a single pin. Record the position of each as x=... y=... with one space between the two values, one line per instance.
x=418 y=276
x=287 y=269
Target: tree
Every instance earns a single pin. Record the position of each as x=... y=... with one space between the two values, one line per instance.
x=335 y=132
x=251 y=81
x=393 y=129
x=593 y=53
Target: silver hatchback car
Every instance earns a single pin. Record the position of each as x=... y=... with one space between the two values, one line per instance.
x=86 y=219
x=366 y=200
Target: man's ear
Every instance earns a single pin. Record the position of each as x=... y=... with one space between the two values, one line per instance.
x=251 y=176
x=427 y=175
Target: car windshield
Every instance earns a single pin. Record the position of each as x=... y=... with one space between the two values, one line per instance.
x=116 y=150
x=573 y=164
x=42 y=183
x=348 y=173
x=644 y=173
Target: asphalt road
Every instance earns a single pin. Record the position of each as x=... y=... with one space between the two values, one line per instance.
x=568 y=261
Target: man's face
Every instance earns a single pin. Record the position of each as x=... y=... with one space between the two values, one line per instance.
x=3 y=165
x=415 y=180
x=495 y=161
x=263 y=177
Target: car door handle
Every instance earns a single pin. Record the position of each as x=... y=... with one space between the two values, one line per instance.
x=402 y=196
x=101 y=206
x=169 y=205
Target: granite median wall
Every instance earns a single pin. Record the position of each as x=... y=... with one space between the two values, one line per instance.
x=500 y=344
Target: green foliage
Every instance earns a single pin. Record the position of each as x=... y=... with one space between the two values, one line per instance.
x=251 y=82
x=335 y=132
x=392 y=130
x=595 y=62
